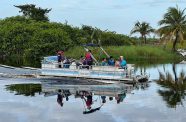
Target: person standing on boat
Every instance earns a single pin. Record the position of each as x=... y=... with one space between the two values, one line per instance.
x=60 y=57
x=88 y=58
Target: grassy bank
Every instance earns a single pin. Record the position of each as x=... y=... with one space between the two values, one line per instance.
x=143 y=56
x=129 y=52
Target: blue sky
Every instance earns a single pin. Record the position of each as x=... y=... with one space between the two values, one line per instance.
x=115 y=15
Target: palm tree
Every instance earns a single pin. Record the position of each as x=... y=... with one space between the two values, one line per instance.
x=173 y=25
x=143 y=28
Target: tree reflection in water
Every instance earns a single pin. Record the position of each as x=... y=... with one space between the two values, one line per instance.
x=24 y=89
x=175 y=85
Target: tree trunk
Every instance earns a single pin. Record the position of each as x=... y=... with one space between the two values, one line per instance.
x=145 y=39
x=142 y=37
x=175 y=42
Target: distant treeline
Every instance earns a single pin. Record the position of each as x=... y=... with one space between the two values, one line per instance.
x=21 y=36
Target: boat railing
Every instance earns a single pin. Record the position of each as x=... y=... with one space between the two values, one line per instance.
x=85 y=70
x=88 y=67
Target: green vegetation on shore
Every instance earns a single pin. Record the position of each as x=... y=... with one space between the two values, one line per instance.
x=129 y=52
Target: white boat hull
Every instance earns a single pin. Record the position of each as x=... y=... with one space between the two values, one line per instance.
x=89 y=74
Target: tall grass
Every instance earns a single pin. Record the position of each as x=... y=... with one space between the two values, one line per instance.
x=178 y=45
x=129 y=52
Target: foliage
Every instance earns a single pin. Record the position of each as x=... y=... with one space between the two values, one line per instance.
x=30 y=11
x=173 y=26
x=143 y=28
x=30 y=38
x=26 y=37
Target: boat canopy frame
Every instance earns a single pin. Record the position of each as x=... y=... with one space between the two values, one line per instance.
x=95 y=45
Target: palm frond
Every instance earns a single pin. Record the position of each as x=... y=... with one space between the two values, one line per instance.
x=143 y=28
x=173 y=24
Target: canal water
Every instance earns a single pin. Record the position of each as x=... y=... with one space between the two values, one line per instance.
x=36 y=100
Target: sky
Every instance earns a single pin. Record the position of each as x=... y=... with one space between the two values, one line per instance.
x=114 y=15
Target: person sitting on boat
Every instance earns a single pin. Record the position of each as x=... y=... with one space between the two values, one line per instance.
x=104 y=62
x=80 y=61
x=123 y=62
x=117 y=63
x=111 y=61
x=66 y=63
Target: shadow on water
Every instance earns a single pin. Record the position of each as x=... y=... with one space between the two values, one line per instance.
x=175 y=87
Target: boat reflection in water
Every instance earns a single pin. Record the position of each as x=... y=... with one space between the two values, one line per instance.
x=89 y=94
x=92 y=96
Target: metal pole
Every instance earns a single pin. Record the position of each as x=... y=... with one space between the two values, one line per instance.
x=105 y=52
x=91 y=55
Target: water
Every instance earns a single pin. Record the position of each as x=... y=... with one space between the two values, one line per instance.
x=28 y=100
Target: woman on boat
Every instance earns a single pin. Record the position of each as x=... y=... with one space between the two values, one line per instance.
x=88 y=58
x=117 y=63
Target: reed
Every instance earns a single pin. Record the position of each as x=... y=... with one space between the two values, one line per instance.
x=129 y=52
